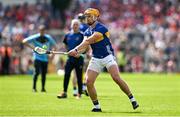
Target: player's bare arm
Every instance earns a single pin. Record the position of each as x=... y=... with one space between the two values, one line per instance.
x=25 y=42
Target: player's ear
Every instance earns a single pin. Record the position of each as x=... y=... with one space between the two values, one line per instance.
x=94 y=18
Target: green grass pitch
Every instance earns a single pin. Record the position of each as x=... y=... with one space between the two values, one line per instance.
x=157 y=94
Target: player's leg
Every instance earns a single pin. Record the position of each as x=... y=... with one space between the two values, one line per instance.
x=90 y=80
x=44 y=67
x=79 y=73
x=36 y=73
x=85 y=64
x=114 y=71
x=93 y=70
x=74 y=83
x=68 y=68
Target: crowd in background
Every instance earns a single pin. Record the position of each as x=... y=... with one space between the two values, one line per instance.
x=144 y=33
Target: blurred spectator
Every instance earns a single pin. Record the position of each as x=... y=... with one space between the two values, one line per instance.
x=6 y=53
x=121 y=60
x=147 y=27
x=137 y=63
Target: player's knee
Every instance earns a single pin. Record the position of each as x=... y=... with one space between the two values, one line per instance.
x=115 y=77
x=89 y=82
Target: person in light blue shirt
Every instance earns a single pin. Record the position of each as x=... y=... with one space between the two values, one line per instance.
x=46 y=42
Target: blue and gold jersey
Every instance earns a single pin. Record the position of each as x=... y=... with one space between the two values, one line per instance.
x=102 y=47
x=83 y=27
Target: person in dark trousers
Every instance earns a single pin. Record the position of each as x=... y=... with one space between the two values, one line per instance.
x=71 y=40
x=46 y=42
x=83 y=26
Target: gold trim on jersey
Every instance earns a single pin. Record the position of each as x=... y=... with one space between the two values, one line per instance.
x=107 y=34
x=101 y=36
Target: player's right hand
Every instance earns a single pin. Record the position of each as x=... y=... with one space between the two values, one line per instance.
x=73 y=53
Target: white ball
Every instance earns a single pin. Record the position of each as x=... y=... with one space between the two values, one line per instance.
x=60 y=72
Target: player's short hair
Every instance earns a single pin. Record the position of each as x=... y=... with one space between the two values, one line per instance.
x=92 y=11
x=75 y=21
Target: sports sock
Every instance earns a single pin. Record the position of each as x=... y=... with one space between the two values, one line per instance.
x=131 y=97
x=96 y=104
x=84 y=87
x=75 y=91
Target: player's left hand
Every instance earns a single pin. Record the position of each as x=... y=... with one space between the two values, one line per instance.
x=73 y=53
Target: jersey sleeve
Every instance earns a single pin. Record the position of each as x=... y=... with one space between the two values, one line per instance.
x=87 y=33
x=103 y=31
x=51 y=40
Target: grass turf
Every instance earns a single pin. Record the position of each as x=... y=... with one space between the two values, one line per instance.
x=157 y=94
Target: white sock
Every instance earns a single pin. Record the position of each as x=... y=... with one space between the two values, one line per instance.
x=84 y=87
x=132 y=99
x=75 y=91
x=97 y=106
